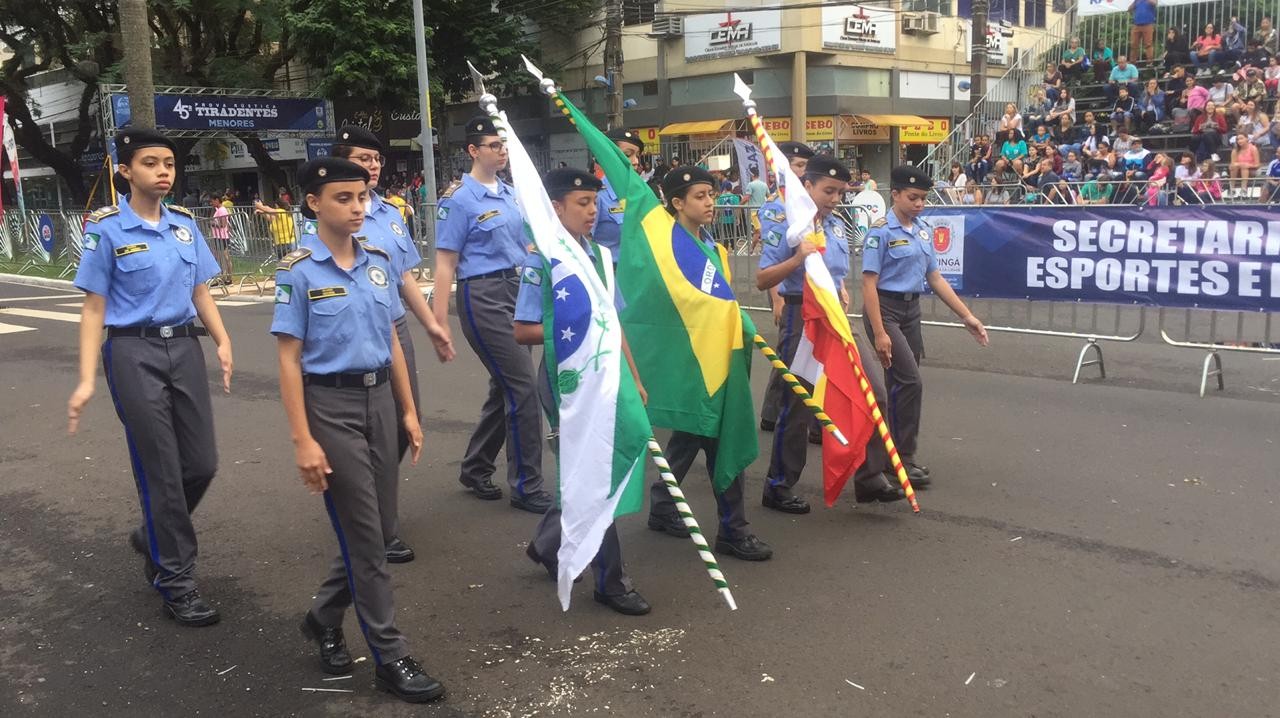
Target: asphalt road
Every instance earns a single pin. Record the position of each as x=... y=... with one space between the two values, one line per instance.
x=1107 y=549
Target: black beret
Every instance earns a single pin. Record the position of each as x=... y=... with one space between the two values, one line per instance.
x=908 y=177
x=681 y=178
x=357 y=136
x=129 y=141
x=796 y=149
x=480 y=125
x=323 y=170
x=622 y=134
x=560 y=182
x=827 y=166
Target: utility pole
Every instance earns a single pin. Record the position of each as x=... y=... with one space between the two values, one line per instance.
x=613 y=59
x=978 y=56
x=424 y=108
x=135 y=35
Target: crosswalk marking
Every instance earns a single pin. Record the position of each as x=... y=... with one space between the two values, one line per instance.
x=77 y=305
x=6 y=300
x=14 y=328
x=41 y=314
x=235 y=303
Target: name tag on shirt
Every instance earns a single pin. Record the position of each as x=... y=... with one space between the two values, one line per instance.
x=489 y=215
x=128 y=249
x=617 y=210
x=326 y=293
x=898 y=243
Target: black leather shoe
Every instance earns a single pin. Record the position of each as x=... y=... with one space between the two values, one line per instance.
x=536 y=503
x=789 y=505
x=886 y=494
x=190 y=609
x=747 y=548
x=628 y=604
x=766 y=425
x=398 y=551
x=405 y=680
x=553 y=569
x=334 y=658
x=671 y=525
x=919 y=476
x=149 y=570
x=482 y=488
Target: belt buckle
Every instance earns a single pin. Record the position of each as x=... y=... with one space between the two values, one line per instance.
x=370 y=378
x=166 y=332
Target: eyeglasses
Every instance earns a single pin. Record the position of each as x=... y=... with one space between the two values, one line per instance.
x=496 y=146
x=368 y=159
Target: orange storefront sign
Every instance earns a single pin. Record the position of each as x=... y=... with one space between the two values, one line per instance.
x=931 y=134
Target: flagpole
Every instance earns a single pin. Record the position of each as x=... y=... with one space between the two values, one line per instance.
x=798 y=389
x=691 y=523
x=868 y=393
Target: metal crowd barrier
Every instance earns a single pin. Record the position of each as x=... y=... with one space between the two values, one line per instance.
x=1113 y=189
x=1214 y=332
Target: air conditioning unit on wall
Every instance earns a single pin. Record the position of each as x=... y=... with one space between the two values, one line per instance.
x=668 y=25
x=921 y=23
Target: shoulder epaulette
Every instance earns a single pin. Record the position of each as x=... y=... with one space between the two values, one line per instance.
x=370 y=248
x=293 y=258
x=879 y=223
x=102 y=213
x=182 y=210
x=448 y=192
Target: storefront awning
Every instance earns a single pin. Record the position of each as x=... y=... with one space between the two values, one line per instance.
x=702 y=127
x=888 y=120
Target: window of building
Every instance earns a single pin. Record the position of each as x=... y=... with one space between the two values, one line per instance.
x=1034 y=13
x=999 y=10
x=942 y=7
x=637 y=12
x=848 y=81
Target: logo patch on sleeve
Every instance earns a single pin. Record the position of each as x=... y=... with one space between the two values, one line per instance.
x=90 y=242
x=284 y=294
x=442 y=213
x=128 y=249
x=326 y=293
x=532 y=276
x=773 y=238
x=872 y=241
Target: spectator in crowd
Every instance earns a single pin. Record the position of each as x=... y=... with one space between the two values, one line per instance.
x=1176 y=50
x=1233 y=40
x=1206 y=189
x=1053 y=82
x=1124 y=76
x=1207 y=130
x=1221 y=93
x=1122 y=142
x=1103 y=163
x=1184 y=170
x=1073 y=61
x=1102 y=59
x=1245 y=160
x=1255 y=124
x=1072 y=170
x=982 y=145
x=728 y=216
x=1003 y=182
x=1197 y=100
x=1065 y=136
x=1013 y=146
x=1151 y=106
x=1267 y=37
x=1091 y=137
x=956 y=184
x=1010 y=120
x=1161 y=167
x=220 y=233
x=978 y=167
x=1174 y=85
x=1040 y=139
x=1137 y=161
x=1038 y=109
x=868 y=184
x=1271 y=76
x=1122 y=112
x=1050 y=186
x=1142 y=35
x=1095 y=191
x=1255 y=58
x=279 y=218
x=1253 y=89
x=1273 y=135
x=1064 y=107
x=1206 y=51
x=1272 y=190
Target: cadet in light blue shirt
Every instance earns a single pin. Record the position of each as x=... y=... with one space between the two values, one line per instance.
x=143 y=270
x=897 y=259
x=609 y=207
x=480 y=240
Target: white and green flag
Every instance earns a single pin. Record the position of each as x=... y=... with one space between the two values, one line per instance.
x=604 y=430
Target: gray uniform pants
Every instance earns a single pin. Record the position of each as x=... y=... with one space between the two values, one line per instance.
x=791 y=435
x=161 y=393
x=486 y=308
x=356 y=429
x=773 y=396
x=906 y=389
x=611 y=578
x=681 y=450
x=389 y=484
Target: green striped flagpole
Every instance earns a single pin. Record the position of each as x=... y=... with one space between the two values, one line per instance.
x=686 y=515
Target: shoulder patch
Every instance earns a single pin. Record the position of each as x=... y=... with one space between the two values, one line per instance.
x=879 y=222
x=102 y=213
x=293 y=258
x=181 y=210
x=371 y=249
x=453 y=187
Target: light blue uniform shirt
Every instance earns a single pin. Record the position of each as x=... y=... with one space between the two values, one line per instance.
x=485 y=228
x=146 y=274
x=383 y=228
x=776 y=251
x=609 y=212
x=343 y=317
x=532 y=275
x=902 y=256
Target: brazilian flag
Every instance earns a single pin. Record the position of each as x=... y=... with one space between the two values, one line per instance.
x=690 y=339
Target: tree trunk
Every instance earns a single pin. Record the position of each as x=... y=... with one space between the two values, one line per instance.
x=135 y=38
x=267 y=165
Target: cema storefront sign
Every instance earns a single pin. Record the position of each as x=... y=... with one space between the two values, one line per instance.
x=712 y=36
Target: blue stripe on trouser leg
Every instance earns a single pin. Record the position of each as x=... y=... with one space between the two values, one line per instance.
x=894 y=387
x=351 y=581
x=139 y=474
x=780 y=427
x=513 y=426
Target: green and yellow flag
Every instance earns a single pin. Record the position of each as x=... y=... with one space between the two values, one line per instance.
x=690 y=339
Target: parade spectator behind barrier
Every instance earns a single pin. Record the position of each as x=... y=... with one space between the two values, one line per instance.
x=1123 y=109
x=1053 y=82
x=1233 y=44
x=1098 y=162
x=957 y=184
x=1074 y=61
x=1066 y=137
x=1175 y=84
x=1271 y=193
x=1254 y=58
x=1253 y=89
x=1183 y=172
x=1206 y=51
x=1095 y=191
x=1072 y=169
x=1090 y=136
x=1137 y=162
x=1040 y=139
x=1157 y=185
x=1267 y=37
x=1244 y=162
x=1003 y=182
x=1142 y=35
x=1207 y=130
x=1123 y=76
x=1273 y=135
x=220 y=233
x=1102 y=60
x=1197 y=98
x=1176 y=50
x=1122 y=141
x=279 y=219
x=728 y=217
x=1064 y=107
x=1255 y=124
x=1013 y=147
x=1271 y=76
x=984 y=149
x=1206 y=188
x=1037 y=110
x=1010 y=120
x=1178 y=114
x=1050 y=186
x=1150 y=106
x=978 y=166
x=1222 y=94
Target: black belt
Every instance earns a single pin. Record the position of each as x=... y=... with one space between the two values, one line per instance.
x=500 y=274
x=363 y=380
x=900 y=296
x=793 y=299
x=182 y=331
